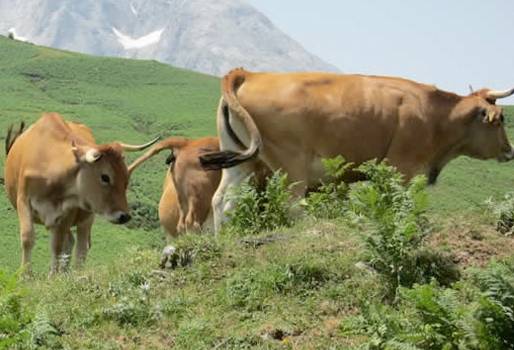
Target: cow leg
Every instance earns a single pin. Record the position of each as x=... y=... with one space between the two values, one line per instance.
x=407 y=169
x=208 y=224
x=58 y=243
x=230 y=178
x=27 y=233
x=67 y=249
x=298 y=191
x=83 y=240
x=69 y=243
x=181 y=225
x=192 y=221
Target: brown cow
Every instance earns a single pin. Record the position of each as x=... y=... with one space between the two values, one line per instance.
x=291 y=121
x=187 y=191
x=56 y=175
x=188 y=188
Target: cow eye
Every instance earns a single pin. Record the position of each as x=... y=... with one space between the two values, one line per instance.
x=105 y=179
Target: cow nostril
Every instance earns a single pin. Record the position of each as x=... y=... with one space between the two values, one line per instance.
x=124 y=218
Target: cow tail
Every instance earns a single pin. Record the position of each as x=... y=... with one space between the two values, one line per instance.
x=170 y=143
x=11 y=137
x=228 y=158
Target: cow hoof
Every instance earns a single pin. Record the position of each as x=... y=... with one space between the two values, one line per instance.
x=169 y=257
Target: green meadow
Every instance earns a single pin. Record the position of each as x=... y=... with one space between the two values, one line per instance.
x=227 y=294
x=131 y=101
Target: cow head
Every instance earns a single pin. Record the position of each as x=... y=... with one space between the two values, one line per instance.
x=485 y=136
x=102 y=179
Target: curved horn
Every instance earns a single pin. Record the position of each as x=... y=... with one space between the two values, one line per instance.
x=135 y=148
x=500 y=94
x=170 y=143
x=471 y=91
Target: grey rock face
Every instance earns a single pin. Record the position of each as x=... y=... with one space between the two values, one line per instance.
x=210 y=36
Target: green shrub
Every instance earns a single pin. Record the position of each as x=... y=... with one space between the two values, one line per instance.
x=383 y=326
x=395 y=222
x=329 y=201
x=250 y=288
x=496 y=311
x=130 y=301
x=14 y=318
x=194 y=248
x=503 y=212
x=428 y=264
x=43 y=333
x=131 y=310
x=144 y=216
x=256 y=211
x=476 y=314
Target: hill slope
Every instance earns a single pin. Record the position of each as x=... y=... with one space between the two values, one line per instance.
x=134 y=100
x=119 y=99
x=205 y=36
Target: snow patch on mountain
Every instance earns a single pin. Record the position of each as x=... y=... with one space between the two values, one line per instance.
x=130 y=43
x=12 y=31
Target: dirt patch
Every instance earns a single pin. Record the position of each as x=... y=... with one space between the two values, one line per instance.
x=472 y=244
x=272 y=333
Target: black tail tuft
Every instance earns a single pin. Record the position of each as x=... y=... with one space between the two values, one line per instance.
x=221 y=160
x=11 y=138
x=8 y=140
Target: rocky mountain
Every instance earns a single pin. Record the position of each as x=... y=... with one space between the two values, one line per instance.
x=210 y=36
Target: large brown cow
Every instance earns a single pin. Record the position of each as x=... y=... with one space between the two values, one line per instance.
x=56 y=175
x=292 y=121
x=187 y=191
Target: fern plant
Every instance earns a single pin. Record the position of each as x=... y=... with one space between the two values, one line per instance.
x=329 y=201
x=496 y=311
x=395 y=217
x=256 y=211
x=503 y=212
x=476 y=314
x=14 y=318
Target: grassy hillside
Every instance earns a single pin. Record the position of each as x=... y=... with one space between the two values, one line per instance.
x=132 y=101
x=120 y=100
x=227 y=292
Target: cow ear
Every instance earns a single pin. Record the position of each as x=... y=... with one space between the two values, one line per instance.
x=86 y=154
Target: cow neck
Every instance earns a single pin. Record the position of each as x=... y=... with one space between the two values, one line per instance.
x=449 y=142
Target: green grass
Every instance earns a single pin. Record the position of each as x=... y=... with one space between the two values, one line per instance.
x=129 y=100
x=119 y=99
x=294 y=292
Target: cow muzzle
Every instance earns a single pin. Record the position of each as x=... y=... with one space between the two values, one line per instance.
x=119 y=217
x=507 y=156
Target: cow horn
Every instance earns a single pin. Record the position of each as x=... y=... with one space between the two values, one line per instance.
x=135 y=148
x=499 y=94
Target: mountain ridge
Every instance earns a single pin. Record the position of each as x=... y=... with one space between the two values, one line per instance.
x=204 y=36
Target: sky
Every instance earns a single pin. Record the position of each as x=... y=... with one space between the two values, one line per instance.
x=449 y=43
